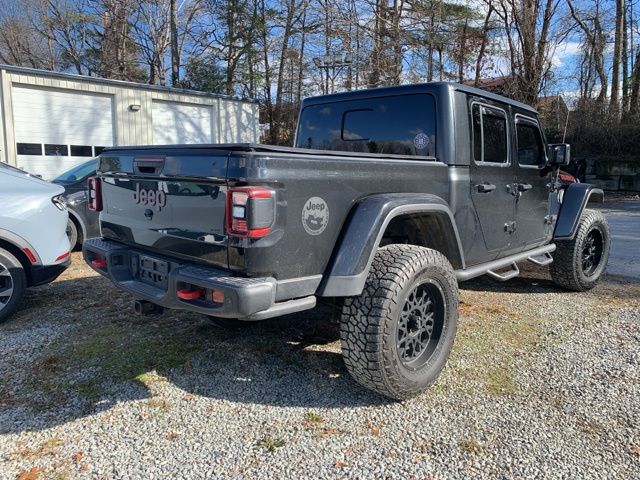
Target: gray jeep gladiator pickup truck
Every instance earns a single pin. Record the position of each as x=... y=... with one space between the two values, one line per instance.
x=389 y=199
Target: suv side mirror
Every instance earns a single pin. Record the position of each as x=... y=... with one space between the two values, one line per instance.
x=560 y=154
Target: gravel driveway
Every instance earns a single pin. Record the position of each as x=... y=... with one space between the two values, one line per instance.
x=541 y=384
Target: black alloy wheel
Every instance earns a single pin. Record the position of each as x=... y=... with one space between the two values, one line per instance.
x=420 y=325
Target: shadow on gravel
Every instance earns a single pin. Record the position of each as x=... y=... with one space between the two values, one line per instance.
x=77 y=349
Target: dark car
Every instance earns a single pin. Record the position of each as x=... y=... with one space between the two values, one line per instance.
x=83 y=223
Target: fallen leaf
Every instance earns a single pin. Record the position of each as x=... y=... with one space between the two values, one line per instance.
x=340 y=464
x=186 y=366
x=32 y=474
x=78 y=456
x=373 y=429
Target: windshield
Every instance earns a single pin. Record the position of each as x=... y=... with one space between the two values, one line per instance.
x=78 y=172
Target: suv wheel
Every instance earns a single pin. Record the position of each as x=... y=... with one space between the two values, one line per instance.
x=579 y=263
x=397 y=335
x=72 y=234
x=13 y=283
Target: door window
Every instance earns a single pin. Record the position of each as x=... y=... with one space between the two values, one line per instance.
x=530 y=148
x=490 y=140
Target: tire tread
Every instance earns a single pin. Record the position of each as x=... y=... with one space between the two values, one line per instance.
x=366 y=318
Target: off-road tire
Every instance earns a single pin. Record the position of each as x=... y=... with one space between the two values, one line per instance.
x=567 y=267
x=11 y=274
x=369 y=326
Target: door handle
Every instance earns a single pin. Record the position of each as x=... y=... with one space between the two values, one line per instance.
x=485 y=187
x=523 y=187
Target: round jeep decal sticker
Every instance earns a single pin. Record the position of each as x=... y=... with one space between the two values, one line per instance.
x=421 y=141
x=315 y=216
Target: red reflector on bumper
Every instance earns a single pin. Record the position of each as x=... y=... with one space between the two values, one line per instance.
x=62 y=255
x=30 y=255
x=99 y=263
x=189 y=294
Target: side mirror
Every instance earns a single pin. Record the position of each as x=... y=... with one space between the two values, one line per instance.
x=560 y=154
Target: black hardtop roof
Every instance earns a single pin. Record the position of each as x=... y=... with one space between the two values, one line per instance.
x=432 y=87
x=226 y=148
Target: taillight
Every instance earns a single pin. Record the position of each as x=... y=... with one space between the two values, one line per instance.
x=250 y=211
x=99 y=263
x=95 y=194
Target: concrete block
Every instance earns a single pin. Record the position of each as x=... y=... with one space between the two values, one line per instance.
x=605 y=167
x=611 y=182
x=630 y=183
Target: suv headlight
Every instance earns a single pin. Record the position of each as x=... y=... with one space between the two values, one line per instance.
x=58 y=201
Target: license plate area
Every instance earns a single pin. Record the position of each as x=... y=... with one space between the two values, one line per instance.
x=150 y=270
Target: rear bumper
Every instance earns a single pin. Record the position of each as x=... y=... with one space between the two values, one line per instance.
x=243 y=297
x=41 y=274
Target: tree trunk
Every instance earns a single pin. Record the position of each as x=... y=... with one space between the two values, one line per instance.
x=634 y=98
x=175 y=52
x=483 y=45
x=625 y=63
x=275 y=131
x=463 y=49
x=617 y=58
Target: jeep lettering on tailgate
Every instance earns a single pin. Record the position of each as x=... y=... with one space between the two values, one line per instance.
x=151 y=198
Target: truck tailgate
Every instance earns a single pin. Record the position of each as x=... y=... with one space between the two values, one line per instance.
x=174 y=204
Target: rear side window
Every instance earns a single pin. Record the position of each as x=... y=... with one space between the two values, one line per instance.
x=396 y=125
x=490 y=144
x=530 y=149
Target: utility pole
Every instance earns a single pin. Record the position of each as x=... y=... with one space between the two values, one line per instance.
x=333 y=65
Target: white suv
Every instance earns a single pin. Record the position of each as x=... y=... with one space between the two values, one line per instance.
x=34 y=248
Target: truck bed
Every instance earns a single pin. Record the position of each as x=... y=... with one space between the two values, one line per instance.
x=196 y=179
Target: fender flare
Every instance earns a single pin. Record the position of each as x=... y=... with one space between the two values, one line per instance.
x=20 y=243
x=574 y=201
x=363 y=231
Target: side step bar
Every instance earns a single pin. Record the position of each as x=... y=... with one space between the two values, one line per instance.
x=504 y=276
x=545 y=260
x=491 y=267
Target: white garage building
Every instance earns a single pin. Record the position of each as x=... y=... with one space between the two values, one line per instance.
x=51 y=122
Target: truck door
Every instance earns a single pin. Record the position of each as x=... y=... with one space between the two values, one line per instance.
x=532 y=183
x=492 y=174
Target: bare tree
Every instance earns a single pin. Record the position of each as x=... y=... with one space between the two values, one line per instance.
x=483 y=45
x=527 y=26
x=150 y=31
x=596 y=43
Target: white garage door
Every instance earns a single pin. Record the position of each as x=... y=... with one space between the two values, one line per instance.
x=175 y=123
x=56 y=130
